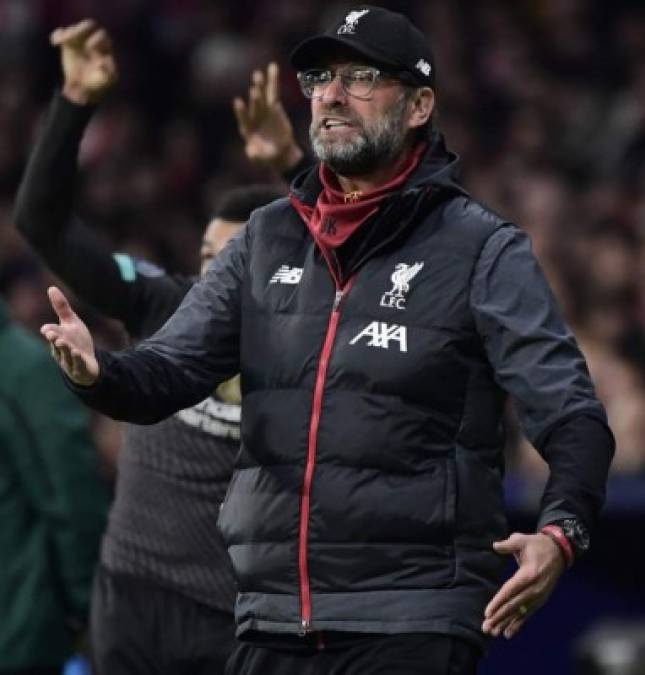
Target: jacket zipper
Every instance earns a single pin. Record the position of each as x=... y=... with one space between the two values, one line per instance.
x=305 y=591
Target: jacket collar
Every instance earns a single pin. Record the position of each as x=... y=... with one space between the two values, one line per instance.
x=432 y=182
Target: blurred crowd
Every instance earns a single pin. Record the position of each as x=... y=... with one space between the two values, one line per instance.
x=544 y=101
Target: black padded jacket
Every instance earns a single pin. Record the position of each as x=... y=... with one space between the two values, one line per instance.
x=368 y=490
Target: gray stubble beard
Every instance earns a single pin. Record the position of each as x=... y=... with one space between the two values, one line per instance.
x=373 y=148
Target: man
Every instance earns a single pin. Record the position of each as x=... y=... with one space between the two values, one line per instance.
x=164 y=593
x=53 y=507
x=376 y=317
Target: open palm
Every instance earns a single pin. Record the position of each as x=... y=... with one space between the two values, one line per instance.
x=70 y=341
x=264 y=125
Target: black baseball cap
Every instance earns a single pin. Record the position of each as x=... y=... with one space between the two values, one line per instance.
x=386 y=38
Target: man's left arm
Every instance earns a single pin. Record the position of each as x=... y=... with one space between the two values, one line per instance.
x=536 y=359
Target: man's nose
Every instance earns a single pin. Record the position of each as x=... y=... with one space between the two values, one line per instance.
x=334 y=92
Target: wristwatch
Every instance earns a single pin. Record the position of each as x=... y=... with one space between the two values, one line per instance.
x=576 y=533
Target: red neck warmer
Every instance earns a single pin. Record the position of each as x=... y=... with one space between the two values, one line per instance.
x=337 y=215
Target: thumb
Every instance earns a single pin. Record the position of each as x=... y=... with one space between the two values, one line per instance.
x=60 y=304
x=512 y=544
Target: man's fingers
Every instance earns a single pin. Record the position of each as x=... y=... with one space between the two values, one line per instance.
x=518 y=583
x=273 y=84
x=514 y=626
x=65 y=358
x=518 y=606
x=56 y=37
x=104 y=74
x=507 y=593
x=54 y=352
x=257 y=79
x=100 y=42
x=258 y=91
x=507 y=626
x=79 y=367
x=495 y=628
x=73 y=36
x=60 y=304
x=255 y=104
x=50 y=331
x=58 y=346
x=60 y=358
x=239 y=108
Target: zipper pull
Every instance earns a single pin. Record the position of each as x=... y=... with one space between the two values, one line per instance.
x=337 y=298
x=305 y=627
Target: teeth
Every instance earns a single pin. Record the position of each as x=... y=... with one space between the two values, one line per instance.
x=334 y=123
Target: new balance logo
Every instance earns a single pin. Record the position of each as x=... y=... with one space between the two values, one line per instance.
x=380 y=334
x=287 y=275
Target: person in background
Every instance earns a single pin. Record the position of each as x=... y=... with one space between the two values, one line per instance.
x=164 y=593
x=53 y=507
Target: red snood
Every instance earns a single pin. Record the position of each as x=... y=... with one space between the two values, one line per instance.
x=337 y=215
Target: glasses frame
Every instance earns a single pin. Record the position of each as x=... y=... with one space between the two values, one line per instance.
x=378 y=74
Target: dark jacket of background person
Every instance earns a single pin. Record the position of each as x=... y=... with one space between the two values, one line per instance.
x=53 y=504
x=368 y=490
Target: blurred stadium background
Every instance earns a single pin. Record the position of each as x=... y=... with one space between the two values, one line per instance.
x=545 y=102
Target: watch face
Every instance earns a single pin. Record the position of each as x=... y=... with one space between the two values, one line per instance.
x=576 y=533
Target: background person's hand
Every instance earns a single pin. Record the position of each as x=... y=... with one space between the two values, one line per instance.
x=540 y=565
x=264 y=125
x=70 y=341
x=89 y=66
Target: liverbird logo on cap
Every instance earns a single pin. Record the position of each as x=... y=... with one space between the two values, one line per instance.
x=349 y=27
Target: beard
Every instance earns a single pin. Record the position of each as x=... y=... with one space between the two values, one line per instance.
x=373 y=147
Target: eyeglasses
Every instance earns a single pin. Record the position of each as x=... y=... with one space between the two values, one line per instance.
x=356 y=81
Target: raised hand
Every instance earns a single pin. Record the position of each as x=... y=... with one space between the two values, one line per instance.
x=89 y=66
x=264 y=125
x=540 y=566
x=70 y=341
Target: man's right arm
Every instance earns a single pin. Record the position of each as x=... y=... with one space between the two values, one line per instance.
x=196 y=350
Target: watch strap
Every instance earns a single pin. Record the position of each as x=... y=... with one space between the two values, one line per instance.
x=556 y=533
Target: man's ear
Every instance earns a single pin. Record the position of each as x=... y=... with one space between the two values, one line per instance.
x=422 y=105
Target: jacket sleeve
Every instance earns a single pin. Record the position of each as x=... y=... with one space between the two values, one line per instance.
x=536 y=359
x=136 y=293
x=182 y=364
x=59 y=470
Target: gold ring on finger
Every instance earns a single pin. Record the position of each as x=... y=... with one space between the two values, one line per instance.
x=523 y=610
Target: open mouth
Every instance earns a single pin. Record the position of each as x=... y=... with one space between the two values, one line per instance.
x=334 y=123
